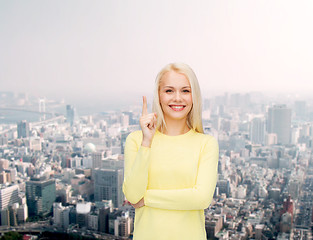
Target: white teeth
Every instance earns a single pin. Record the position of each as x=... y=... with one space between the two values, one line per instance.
x=177 y=107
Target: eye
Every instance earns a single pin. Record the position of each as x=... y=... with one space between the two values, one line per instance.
x=168 y=90
x=186 y=91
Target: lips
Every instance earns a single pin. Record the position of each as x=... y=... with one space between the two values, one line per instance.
x=177 y=108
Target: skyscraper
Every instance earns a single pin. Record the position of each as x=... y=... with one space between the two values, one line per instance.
x=108 y=185
x=70 y=114
x=23 y=129
x=42 y=108
x=124 y=135
x=257 y=131
x=279 y=122
x=300 y=109
x=40 y=195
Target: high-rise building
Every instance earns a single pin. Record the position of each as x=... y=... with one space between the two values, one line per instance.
x=213 y=226
x=70 y=114
x=104 y=219
x=5 y=217
x=40 y=195
x=125 y=225
x=97 y=159
x=93 y=221
x=279 y=122
x=13 y=214
x=22 y=213
x=82 y=211
x=124 y=135
x=257 y=131
x=300 y=109
x=61 y=215
x=108 y=185
x=42 y=108
x=8 y=195
x=23 y=129
x=113 y=222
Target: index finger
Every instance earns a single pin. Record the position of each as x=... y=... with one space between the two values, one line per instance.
x=144 y=105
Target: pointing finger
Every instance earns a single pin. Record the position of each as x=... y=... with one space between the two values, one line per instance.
x=144 y=105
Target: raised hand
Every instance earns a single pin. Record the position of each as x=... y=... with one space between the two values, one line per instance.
x=148 y=124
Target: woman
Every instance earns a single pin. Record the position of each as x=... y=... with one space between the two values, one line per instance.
x=170 y=165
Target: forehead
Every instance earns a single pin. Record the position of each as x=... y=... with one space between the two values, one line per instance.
x=174 y=79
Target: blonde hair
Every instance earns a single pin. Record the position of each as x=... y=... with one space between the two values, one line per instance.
x=194 y=118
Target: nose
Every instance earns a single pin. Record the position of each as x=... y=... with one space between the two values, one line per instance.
x=177 y=96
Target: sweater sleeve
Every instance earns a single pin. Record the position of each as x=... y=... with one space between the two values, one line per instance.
x=200 y=195
x=136 y=165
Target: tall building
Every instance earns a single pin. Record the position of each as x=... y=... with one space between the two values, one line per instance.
x=40 y=195
x=97 y=159
x=8 y=195
x=124 y=135
x=279 y=122
x=257 y=131
x=42 y=108
x=104 y=219
x=61 y=215
x=5 y=217
x=82 y=211
x=300 y=109
x=13 y=214
x=70 y=114
x=108 y=185
x=22 y=213
x=23 y=129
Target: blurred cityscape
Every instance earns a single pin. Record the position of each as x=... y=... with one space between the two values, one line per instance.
x=61 y=172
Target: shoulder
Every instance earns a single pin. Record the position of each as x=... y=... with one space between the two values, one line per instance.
x=207 y=140
x=135 y=134
x=205 y=137
x=135 y=137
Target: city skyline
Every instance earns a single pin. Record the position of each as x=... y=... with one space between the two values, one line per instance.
x=111 y=51
x=264 y=185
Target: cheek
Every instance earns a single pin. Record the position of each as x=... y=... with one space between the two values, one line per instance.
x=189 y=99
x=162 y=98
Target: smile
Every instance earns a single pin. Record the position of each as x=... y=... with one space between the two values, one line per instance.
x=177 y=108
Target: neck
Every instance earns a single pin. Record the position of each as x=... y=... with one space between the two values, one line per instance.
x=174 y=128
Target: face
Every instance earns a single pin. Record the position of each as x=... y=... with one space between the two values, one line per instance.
x=175 y=96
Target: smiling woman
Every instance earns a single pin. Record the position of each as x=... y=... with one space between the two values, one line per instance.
x=175 y=97
x=182 y=77
x=170 y=165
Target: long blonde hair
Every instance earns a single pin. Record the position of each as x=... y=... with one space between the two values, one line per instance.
x=194 y=118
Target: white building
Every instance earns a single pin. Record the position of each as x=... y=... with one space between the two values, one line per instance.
x=8 y=195
x=22 y=213
x=257 y=131
x=61 y=215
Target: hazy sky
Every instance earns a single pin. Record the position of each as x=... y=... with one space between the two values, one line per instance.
x=113 y=49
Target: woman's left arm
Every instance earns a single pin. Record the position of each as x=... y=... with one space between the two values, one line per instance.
x=195 y=198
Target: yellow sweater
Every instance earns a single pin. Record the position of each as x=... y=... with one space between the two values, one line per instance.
x=177 y=178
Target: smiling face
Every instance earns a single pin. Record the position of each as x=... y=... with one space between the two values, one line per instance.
x=175 y=96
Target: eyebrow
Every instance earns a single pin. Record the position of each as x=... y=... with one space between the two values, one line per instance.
x=173 y=87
